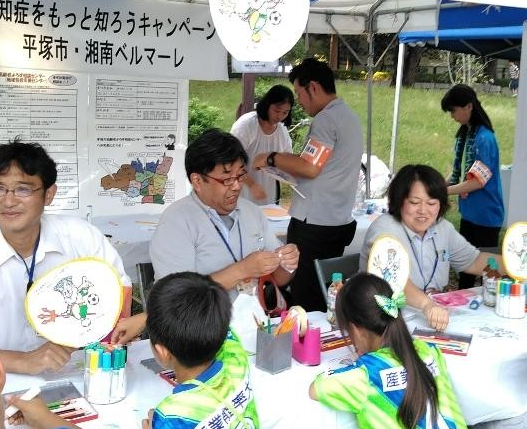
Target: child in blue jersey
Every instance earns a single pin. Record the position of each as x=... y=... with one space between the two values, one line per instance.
x=475 y=173
x=396 y=382
x=33 y=413
x=188 y=323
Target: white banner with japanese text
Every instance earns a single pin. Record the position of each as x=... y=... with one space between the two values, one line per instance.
x=125 y=37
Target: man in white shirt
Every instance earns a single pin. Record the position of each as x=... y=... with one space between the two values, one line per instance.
x=32 y=243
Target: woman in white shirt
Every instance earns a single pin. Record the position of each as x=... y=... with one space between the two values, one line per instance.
x=265 y=130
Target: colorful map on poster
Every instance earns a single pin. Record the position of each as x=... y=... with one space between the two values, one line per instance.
x=142 y=181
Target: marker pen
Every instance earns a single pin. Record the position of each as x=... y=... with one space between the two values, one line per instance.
x=27 y=396
x=476 y=302
x=122 y=374
x=106 y=376
x=115 y=374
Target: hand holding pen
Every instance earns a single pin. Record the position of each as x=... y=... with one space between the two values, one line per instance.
x=36 y=414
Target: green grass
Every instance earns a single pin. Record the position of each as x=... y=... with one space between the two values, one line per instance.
x=426 y=133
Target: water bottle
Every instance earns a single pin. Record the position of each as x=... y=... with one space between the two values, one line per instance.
x=490 y=277
x=334 y=287
x=359 y=209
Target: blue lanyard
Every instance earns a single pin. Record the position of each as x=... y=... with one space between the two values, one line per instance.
x=227 y=243
x=30 y=270
x=425 y=283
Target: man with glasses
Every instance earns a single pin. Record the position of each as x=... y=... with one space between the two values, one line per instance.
x=32 y=243
x=212 y=230
x=327 y=172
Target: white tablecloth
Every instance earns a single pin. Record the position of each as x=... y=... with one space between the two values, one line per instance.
x=490 y=382
x=282 y=399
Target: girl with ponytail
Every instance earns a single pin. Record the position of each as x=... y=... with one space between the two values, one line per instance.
x=475 y=173
x=397 y=382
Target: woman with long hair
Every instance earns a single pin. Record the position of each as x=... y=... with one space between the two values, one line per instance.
x=475 y=174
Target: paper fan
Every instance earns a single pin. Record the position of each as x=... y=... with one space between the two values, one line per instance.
x=77 y=303
x=389 y=260
x=259 y=30
x=514 y=251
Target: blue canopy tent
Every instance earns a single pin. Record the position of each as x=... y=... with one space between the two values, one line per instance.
x=483 y=30
x=499 y=42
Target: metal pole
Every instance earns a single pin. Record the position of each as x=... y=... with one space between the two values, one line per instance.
x=395 y=124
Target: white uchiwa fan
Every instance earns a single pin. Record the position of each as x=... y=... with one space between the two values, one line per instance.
x=76 y=303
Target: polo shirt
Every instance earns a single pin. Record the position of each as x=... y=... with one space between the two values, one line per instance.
x=329 y=198
x=441 y=240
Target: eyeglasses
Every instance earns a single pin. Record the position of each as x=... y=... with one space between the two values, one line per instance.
x=19 y=191
x=229 y=181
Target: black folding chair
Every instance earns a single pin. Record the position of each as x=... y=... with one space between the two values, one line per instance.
x=346 y=264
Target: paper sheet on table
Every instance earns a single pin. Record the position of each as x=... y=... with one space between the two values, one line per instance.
x=244 y=308
x=276 y=213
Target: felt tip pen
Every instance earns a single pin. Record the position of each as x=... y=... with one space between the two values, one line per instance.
x=27 y=396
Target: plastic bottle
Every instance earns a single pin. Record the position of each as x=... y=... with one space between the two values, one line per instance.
x=360 y=206
x=490 y=277
x=333 y=289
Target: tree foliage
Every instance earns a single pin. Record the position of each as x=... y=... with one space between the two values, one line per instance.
x=201 y=117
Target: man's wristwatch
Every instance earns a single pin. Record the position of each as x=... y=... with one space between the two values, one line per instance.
x=270 y=159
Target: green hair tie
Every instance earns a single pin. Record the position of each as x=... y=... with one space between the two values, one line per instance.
x=391 y=305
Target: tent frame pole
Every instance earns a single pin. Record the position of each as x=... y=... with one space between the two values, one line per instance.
x=396 y=103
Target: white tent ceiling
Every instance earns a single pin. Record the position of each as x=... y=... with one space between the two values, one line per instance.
x=351 y=16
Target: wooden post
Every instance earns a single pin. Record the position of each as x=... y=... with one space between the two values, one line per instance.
x=334 y=52
x=247 y=104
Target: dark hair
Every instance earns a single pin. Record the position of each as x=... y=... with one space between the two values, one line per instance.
x=459 y=96
x=276 y=95
x=211 y=148
x=356 y=304
x=189 y=314
x=31 y=158
x=400 y=186
x=313 y=70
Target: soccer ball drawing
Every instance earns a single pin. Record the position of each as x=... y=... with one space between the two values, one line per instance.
x=76 y=303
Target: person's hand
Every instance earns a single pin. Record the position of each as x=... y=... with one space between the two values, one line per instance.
x=464 y=195
x=147 y=423
x=257 y=191
x=128 y=328
x=436 y=316
x=35 y=413
x=260 y=161
x=48 y=357
x=259 y=263
x=288 y=255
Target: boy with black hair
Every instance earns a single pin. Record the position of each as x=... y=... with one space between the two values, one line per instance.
x=188 y=323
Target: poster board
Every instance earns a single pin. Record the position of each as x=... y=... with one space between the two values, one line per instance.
x=73 y=78
x=118 y=142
